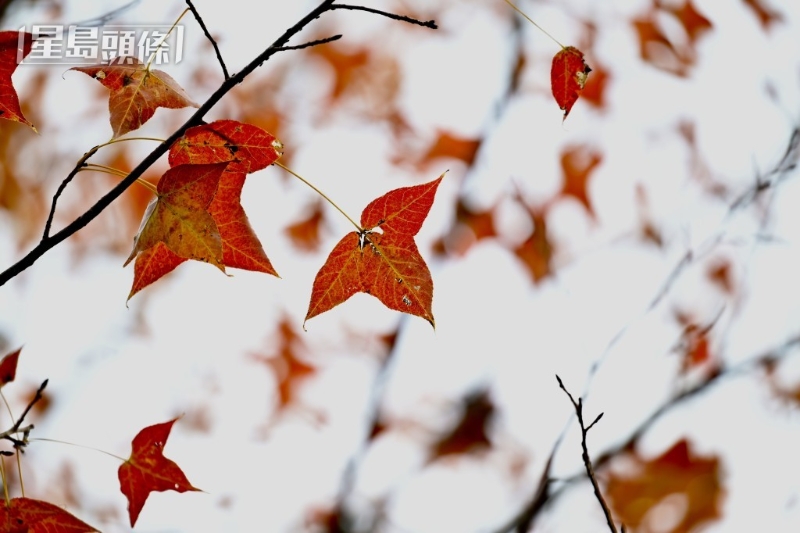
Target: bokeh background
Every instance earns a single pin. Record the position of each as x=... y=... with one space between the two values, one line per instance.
x=645 y=249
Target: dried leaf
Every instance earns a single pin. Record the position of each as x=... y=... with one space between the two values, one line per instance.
x=147 y=470
x=136 y=92
x=179 y=216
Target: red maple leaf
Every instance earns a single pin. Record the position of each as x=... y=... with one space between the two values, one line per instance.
x=24 y=515
x=179 y=216
x=382 y=259
x=8 y=367
x=147 y=470
x=568 y=75
x=10 y=54
x=136 y=92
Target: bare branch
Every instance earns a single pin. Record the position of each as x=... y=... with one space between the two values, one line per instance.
x=427 y=24
x=209 y=37
x=587 y=462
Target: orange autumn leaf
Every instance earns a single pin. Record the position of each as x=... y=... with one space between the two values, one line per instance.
x=694 y=23
x=382 y=259
x=8 y=367
x=577 y=164
x=568 y=75
x=347 y=65
x=305 y=233
x=453 y=146
x=677 y=471
x=147 y=470
x=25 y=515
x=765 y=14
x=10 y=53
x=536 y=252
x=287 y=366
x=136 y=92
x=470 y=226
x=179 y=215
x=468 y=435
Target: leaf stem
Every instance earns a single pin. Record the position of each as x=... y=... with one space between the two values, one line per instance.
x=119 y=140
x=162 y=41
x=518 y=10
x=3 y=477
x=79 y=446
x=120 y=174
x=301 y=178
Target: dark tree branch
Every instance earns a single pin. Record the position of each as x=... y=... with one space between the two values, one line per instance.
x=74 y=172
x=209 y=37
x=587 y=461
x=16 y=428
x=50 y=241
x=427 y=24
x=310 y=43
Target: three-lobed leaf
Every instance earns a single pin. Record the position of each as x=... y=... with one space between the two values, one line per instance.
x=382 y=259
x=179 y=215
x=136 y=92
x=147 y=470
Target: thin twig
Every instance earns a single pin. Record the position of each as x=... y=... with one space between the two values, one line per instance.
x=309 y=44
x=17 y=427
x=587 y=461
x=427 y=23
x=209 y=37
x=74 y=172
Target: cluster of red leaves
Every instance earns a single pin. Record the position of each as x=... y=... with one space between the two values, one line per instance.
x=197 y=213
x=677 y=471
